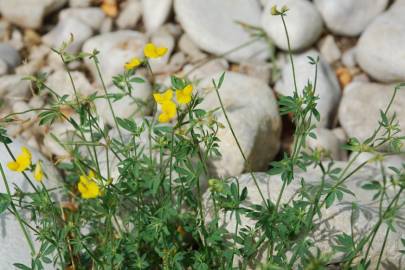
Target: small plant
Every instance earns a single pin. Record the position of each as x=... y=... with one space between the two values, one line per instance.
x=152 y=216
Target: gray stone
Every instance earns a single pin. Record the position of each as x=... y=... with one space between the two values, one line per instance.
x=329 y=49
x=79 y=3
x=59 y=82
x=253 y=112
x=359 y=110
x=304 y=24
x=65 y=134
x=14 y=247
x=349 y=17
x=193 y=17
x=28 y=13
x=9 y=55
x=380 y=48
x=205 y=69
x=262 y=71
x=116 y=48
x=349 y=58
x=379 y=158
x=327 y=86
x=139 y=104
x=130 y=14
x=63 y=31
x=3 y=67
x=4 y=29
x=23 y=108
x=106 y=25
x=155 y=13
x=327 y=142
x=335 y=219
x=340 y=135
x=14 y=87
x=91 y=16
x=187 y=46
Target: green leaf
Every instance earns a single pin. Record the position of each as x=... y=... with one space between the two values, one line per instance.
x=5 y=202
x=244 y=194
x=3 y=136
x=177 y=83
x=221 y=80
x=330 y=199
x=372 y=185
x=312 y=135
x=48 y=117
x=127 y=124
x=137 y=80
x=46 y=260
x=22 y=266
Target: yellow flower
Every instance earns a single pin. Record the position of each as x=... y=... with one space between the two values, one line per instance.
x=164 y=97
x=168 y=111
x=88 y=187
x=22 y=162
x=184 y=96
x=38 y=173
x=133 y=63
x=151 y=51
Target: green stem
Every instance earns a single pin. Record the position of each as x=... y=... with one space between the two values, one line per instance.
x=107 y=97
x=383 y=247
x=17 y=215
x=239 y=146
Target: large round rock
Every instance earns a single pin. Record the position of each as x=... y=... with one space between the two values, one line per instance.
x=359 y=110
x=253 y=113
x=349 y=17
x=213 y=26
x=327 y=86
x=28 y=13
x=304 y=24
x=14 y=247
x=138 y=103
x=115 y=49
x=334 y=221
x=380 y=50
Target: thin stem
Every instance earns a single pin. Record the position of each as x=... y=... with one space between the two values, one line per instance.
x=17 y=215
x=290 y=54
x=107 y=97
x=382 y=248
x=239 y=146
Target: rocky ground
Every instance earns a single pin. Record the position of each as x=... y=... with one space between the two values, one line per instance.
x=360 y=44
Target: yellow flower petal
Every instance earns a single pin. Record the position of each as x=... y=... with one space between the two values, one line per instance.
x=169 y=108
x=91 y=175
x=161 y=51
x=164 y=118
x=169 y=111
x=188 y=89
x=22 y=162
x=133 y=63
x=12 y=165
x=151 y=51
x=26 y=152
x=38 y=173
x=88 y=188
x=184 y=96
x=164 y=97
x=83 y=178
